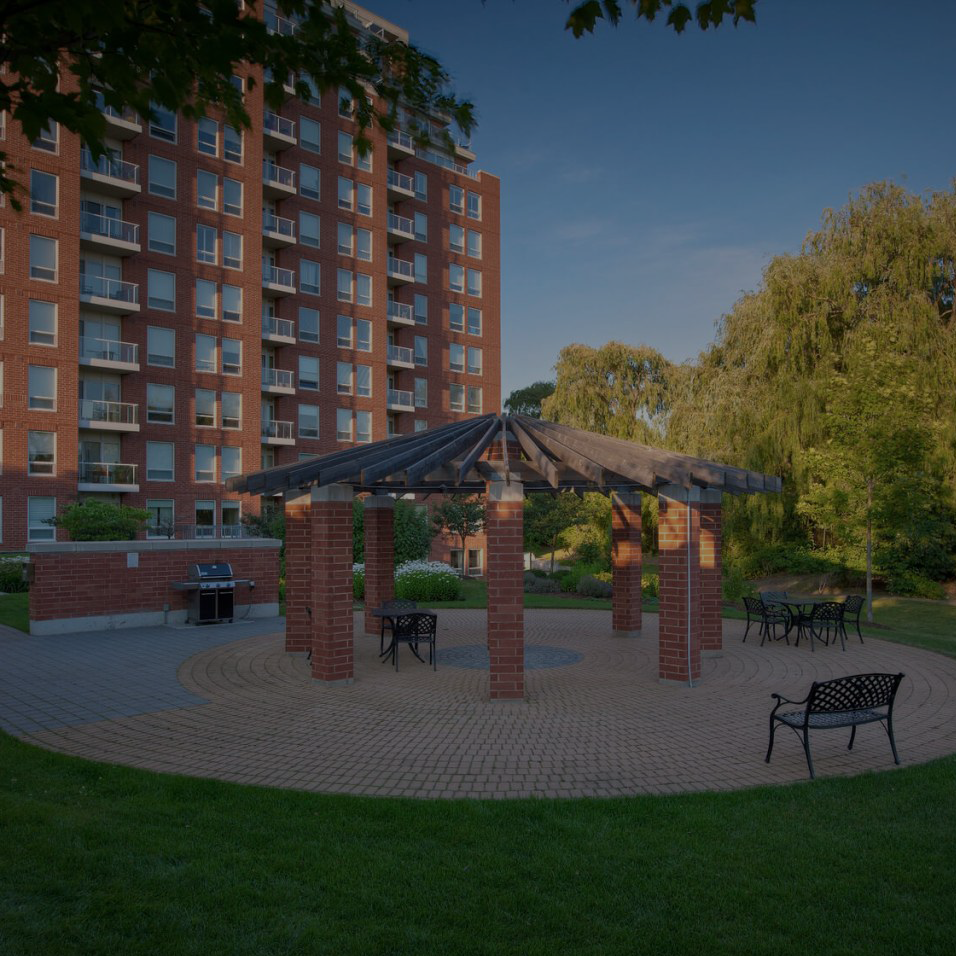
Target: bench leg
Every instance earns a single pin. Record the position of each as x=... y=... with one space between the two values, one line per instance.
x=806 y=747
x=849 y=746
x=773 y=728
x=888 y=727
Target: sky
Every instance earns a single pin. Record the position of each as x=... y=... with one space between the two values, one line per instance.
x=648 y=178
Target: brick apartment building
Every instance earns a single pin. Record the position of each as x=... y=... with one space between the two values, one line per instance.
x=205 y=302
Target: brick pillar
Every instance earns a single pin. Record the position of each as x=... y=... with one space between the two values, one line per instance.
x=504 y=528
x=379 y=557
x=626 y=563
x=679 y=566
x=298 y=571
x=711 y=573
x=332 y=635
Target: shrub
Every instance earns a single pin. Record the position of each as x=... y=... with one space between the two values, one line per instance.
x=735 y=585
x=427 y=581
x=11 y=576
x=592 y=587
x=569 y=579
x=358 y=582
x=269 y=523
x=777 y=558
x=911 y=584
x=93 y=520
x=650 y=584
x=535 y=585
x=412 y=534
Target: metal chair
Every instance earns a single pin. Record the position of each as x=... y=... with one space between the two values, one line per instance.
x=413 y=630
x=777 y=602
x=768 y=618
x=851 y=609
x=396 y=604
x=826 y=616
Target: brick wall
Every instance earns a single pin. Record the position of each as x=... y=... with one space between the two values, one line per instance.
x=504 y=531
x=711 y=574
x=626 y=562
x=93 y=579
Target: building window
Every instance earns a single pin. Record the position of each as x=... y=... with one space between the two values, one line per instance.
x=421 y=227
x=43 y=255
x=420 y=425
x=231 y=145
x=343 y=336
x=207 y=244
x=41 y=453
x=363 y=427
x=308 y=421
x=161 y=521
x=474 y=321
x=474 y=244
x=231 y=303
x=363 y=335
x=308 y=372
x=421 y=267
x=456 y=317
x=308 y=324
x=421 y=185
x=49 y=138
x=343 y=424
x=162 y=177
x=160 y=404
x=160 y=456
x=310 y=135
x=207 y=190
x=474 y=399
x=456 y=199
x=41 y=388
x=232 y=250
x=205 y=353
x=231 y=515
x=162 y=124
x=343 y=378
x=363 y=381
x=230 y=466
x=309 y=181
x=345 y=103
x=363 y=204
x=345 y=239
x=205 y=408
x=42 y=323
x=231 y=357
x=231 y=410
x=310 y=277
x=363 y=289
x=162 y=234
x=474 y=360
x=205 y=515
x=160 y=346
x=205 y=457
x=345 y=148
x=207 y=136
x=474 y=282
x=456 y=277
x=456 y=397
x=309 y=229
x=456 y=357
x=40 y=513
x=343 y=285
x=474 y=206
x=161 y=290
x=231 y=196
x=421 y=393
x=345 y=194
x=421 y=309
x=421 y=350
x=363 y=245
x=456 y=238
x=43 y=193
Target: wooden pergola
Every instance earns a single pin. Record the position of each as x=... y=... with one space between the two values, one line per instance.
x=503 y=457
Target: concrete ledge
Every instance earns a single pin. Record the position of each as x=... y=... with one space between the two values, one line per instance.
x=133 y=619
x=164 y=544
x=679 y=683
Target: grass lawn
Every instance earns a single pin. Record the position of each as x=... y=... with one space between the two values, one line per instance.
x=15 y=611
x=106 y=860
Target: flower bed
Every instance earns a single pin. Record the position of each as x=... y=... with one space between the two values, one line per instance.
x=416 y=581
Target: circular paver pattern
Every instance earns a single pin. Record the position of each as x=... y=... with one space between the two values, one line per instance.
x=603 y=726
x=535 y=656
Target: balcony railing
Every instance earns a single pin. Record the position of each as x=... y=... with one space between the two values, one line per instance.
x=277 y=378
x=401 y=267
x=104 y=288
x=400 y=311
x=193 y=531
x=106 y=473
x=117 y=413
x=398 y=398
x=401 y=224
x=430 y=156
x=279 y=225
x=399 y=353
x=109 y=228
x=401 y=139
x=279 y=175
x=273 y=275
x=279 y=124
x=108 y=350
x=108 y=165
x=284 y=328
x=276 y=429
x=398 y=180
x=280 y=25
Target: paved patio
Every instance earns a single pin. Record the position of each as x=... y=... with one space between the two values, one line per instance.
x=228 y=702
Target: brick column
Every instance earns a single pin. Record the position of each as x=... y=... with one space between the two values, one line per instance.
x=298 y=570
x=379 y=557
x=626 y=563
x=679 y=566
x=333 y=631
x=711 y=573
x=504 y=528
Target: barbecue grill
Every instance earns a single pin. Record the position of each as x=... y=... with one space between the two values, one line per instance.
x=212 y=590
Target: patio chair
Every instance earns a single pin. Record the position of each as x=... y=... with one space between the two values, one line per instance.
x=397 y=604
x=825 y=617
x=851 y=610
x=413 y=630
x=769 y=617
x=777 y=601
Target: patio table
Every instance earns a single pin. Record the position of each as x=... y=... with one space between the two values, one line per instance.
x=801 y=606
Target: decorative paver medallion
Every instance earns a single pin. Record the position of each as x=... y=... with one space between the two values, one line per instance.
x=536 y=656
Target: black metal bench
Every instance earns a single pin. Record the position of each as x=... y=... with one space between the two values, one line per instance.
x=841 y=702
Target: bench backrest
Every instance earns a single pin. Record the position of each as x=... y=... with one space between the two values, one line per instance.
x=856 y=692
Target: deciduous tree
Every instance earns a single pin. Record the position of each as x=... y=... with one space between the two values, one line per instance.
x=462 y=515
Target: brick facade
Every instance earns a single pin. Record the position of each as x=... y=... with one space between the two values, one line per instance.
x=379 y=557
x=711 y=572
x=298 y=573
x=626 y=563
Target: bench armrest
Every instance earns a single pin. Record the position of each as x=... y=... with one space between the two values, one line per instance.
x=781 y=700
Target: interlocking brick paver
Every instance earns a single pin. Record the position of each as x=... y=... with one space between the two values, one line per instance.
x=228 y=702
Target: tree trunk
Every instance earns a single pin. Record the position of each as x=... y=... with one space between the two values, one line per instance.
x=554 y=544
x=464 y=557
x=869 y=551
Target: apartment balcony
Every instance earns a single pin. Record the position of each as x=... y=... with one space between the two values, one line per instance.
x=278 y=381
x=400 y=144
x=277 y=131
x=280 y=25
x=110 y=175
x=277 y=231
x=279 y=331
x=403 y=186
x=109 y=295
x=399 y=401
x=105 y=234
x=277 y=181
x=278 y=281
x=108 y=354
x=400 y=313
x=400 y=228
x=277 y=433
x=107 y=476
x=400 y=357
x=123 y=124
x=399 y=271
x=108 y=416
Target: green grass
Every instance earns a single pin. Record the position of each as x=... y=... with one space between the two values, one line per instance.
x=927 y=624
x=15 y=611
x=101 y=859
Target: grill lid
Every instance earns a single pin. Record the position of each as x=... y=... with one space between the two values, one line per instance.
x=218 y=571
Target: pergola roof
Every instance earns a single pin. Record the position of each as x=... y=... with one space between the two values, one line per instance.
x=451 y=458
